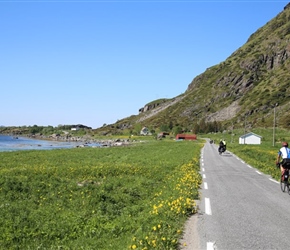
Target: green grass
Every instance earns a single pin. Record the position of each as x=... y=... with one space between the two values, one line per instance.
x=136 y=197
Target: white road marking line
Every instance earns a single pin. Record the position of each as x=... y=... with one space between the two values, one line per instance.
x=260 y=172
x=203 y=176
x=205 y=185
x=203 y=169
x=210 y=246
x=202 y=164
x=274 y=180
x=207 y=206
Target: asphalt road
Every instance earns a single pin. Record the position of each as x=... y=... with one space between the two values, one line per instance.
x=240 y=207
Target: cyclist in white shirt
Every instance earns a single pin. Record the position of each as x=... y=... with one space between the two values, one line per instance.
x=284 y=155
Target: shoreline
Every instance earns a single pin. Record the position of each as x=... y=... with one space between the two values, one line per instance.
x=84 y=141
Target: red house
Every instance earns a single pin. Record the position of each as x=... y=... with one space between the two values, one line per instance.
x=185 y=137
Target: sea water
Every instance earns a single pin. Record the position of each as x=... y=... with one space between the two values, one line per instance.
x=12 y=143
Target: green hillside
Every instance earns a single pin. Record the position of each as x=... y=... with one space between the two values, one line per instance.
x=245 y=87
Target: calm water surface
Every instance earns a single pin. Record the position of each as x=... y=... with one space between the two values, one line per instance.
x=11 y=143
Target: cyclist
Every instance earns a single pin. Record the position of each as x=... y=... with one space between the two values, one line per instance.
x=221 y=146
x=225 y=144
x=284 y=155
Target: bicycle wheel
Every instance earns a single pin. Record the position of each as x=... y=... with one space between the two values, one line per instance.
x=283 y=184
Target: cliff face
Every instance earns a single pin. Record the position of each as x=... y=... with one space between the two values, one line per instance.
x=151 y=106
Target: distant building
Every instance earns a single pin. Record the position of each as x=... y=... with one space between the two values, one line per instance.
x=162 y=134
x=250 y=138
x=79 y=126
x=185 y=137
x=145 y=131
x=75 y=128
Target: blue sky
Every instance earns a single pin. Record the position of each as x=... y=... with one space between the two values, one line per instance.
x=96 y=62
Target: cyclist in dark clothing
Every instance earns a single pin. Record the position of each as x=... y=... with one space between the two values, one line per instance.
x=221 y=146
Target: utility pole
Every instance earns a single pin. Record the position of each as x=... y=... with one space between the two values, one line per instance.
x=274 y=123
x=232 y=132
x=245 y=131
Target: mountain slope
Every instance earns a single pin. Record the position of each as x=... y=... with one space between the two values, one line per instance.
x=246 y=86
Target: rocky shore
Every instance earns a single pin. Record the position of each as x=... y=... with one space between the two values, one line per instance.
x=84 y=141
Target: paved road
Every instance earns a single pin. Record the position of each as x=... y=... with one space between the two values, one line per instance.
x=240 y=207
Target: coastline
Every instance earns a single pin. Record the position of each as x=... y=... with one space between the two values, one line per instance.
x=81 y=141
x=84 y=140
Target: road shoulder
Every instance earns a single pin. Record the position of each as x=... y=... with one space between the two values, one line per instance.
x=190 y=239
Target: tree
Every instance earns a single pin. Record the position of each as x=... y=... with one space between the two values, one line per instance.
x=177 y=130
x=170 y=125
x=285 y=121
x=164 y=128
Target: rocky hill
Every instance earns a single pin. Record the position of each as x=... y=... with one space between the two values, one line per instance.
x=247 y=86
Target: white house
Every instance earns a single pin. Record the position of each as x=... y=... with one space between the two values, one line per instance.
x=250 y=138
x=145 y=131
x=75 y=128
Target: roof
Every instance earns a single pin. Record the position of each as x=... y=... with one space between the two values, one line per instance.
x=186 y=136
x=249 y=134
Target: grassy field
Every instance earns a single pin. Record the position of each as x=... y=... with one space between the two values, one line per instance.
x=135 y=197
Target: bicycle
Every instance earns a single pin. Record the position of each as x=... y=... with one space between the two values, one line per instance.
x=284 y=180
x=221 y=149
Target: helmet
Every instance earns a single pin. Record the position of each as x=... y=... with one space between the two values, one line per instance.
x=285 y=144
